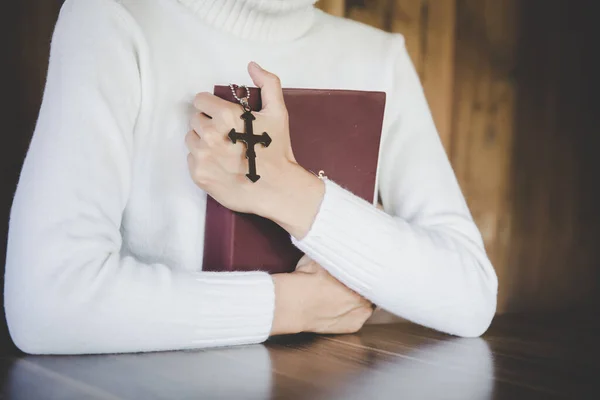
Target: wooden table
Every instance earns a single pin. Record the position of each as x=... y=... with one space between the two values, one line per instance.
x=517 y=359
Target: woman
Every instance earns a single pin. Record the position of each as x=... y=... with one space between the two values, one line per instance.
x=104 y=251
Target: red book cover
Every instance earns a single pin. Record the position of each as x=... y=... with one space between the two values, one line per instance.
x=337 y=131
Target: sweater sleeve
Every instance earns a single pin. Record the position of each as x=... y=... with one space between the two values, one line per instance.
x=423 y=259
x=69 y=289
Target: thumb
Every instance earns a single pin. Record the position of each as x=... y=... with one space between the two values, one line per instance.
x=270 y=86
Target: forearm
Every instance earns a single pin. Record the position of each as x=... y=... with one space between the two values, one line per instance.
x=294 y=199
x=103 y=304
x=436 y=275
x=288 y=316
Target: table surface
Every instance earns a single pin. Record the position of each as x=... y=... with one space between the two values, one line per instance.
x=518 y=358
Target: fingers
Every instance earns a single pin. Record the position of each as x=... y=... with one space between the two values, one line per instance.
x=350 y=322
x=200 y=122
x=363 y=303
x=354 y=320
x=200 y=160
x=206 y=129
x=270 y=85
x=225 y=115
x=192 y=141
x=308 y=267
x=358 y=318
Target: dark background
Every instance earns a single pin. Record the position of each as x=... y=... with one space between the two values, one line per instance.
x=552 y=252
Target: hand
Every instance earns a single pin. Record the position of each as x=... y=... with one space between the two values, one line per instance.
x=219 y=167
x=311 y=300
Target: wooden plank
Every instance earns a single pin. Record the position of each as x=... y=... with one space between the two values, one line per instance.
x=554 y=253
x=503 y=109
x=370 y=12
x=333 y=7
x=407 y=21
x=480 y=188
x=428 y=28
x=438 y=63
x=466 y=67
x=483 y=126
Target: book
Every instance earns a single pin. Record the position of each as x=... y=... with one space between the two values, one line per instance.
x=334 y=131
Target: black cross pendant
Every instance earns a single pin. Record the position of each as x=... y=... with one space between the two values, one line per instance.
x=250 y=139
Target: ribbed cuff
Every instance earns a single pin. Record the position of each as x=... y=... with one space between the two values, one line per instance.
x=237 y=308
x=346 y=234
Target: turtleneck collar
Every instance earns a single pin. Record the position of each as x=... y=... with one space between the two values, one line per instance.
x=260 y=20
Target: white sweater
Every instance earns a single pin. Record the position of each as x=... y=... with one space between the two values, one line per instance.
x=107 y=227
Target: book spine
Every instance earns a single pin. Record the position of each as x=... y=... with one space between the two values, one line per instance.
x=218 y=253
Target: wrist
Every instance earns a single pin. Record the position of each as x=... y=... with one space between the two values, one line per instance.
x=289 y=316
x=294 y=199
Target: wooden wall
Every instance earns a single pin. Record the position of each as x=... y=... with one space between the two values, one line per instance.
x=554 y=257
x=429 y=31
x=509 y=86
x=523 y=136
x=483 y=123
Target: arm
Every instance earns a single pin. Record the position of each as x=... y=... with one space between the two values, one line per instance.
x=68 y=288
x=424 y=259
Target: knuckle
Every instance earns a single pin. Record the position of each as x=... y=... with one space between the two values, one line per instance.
x=199 y=98
x=204 y=155
x=189 y=139
x=196 y=173
x=275 y=79
x=199 y=161
x=204 y=181
x=211 y=137
x=208 y=138
x=226 y=114
x=284 y=113
x=201 y=177
x=201 y=182
x=197 y=122
x=199 y=156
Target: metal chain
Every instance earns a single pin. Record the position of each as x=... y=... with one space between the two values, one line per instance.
x=244 y=100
